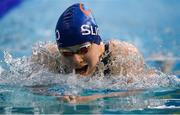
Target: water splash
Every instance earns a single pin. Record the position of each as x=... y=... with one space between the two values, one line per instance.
x=25 y=72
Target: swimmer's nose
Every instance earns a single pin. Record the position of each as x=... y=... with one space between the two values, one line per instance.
x=77 y=59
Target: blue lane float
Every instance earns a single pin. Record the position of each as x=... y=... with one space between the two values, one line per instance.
x=7 y=5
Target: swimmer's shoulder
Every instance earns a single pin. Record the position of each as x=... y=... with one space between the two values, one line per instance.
x=115 y=44
x=47 y=55
x=123 y=58
x=52 y=48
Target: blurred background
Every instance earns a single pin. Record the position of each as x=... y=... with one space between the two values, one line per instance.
x=152 y=25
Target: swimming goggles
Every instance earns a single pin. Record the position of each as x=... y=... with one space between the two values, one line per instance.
x=77 y=49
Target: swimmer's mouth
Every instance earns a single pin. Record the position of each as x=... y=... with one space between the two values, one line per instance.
x=81 y=70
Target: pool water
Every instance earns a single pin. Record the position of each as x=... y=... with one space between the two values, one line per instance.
x=153 y=26
x=20 y=100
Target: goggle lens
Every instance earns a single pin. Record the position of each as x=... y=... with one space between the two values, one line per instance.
x=82 y=50
x=67 y=54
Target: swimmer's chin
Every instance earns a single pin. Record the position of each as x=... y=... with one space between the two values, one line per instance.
x=85 y=71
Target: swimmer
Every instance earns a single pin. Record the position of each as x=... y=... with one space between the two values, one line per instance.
x=80 y=48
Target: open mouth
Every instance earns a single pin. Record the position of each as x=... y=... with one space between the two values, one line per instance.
x=81 y=70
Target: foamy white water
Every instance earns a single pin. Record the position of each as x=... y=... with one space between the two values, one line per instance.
x=24 y=72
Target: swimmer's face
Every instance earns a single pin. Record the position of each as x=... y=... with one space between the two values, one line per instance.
x=83 y=58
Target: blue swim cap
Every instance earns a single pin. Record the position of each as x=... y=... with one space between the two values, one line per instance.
x=76 y=26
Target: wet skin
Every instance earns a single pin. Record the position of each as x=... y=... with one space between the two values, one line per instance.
x=84 y=63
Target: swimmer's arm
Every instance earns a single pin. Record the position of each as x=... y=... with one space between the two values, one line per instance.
x=84 y=99
x=51 y=47
x=49 y=57
x=44 y=52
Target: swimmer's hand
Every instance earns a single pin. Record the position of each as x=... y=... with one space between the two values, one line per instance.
x=78 y=99
x=84 y=99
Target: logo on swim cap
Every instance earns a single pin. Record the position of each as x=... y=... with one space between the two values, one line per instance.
x=86 y=12
x=89 y=30
x=76 y=26
x=57 y=35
